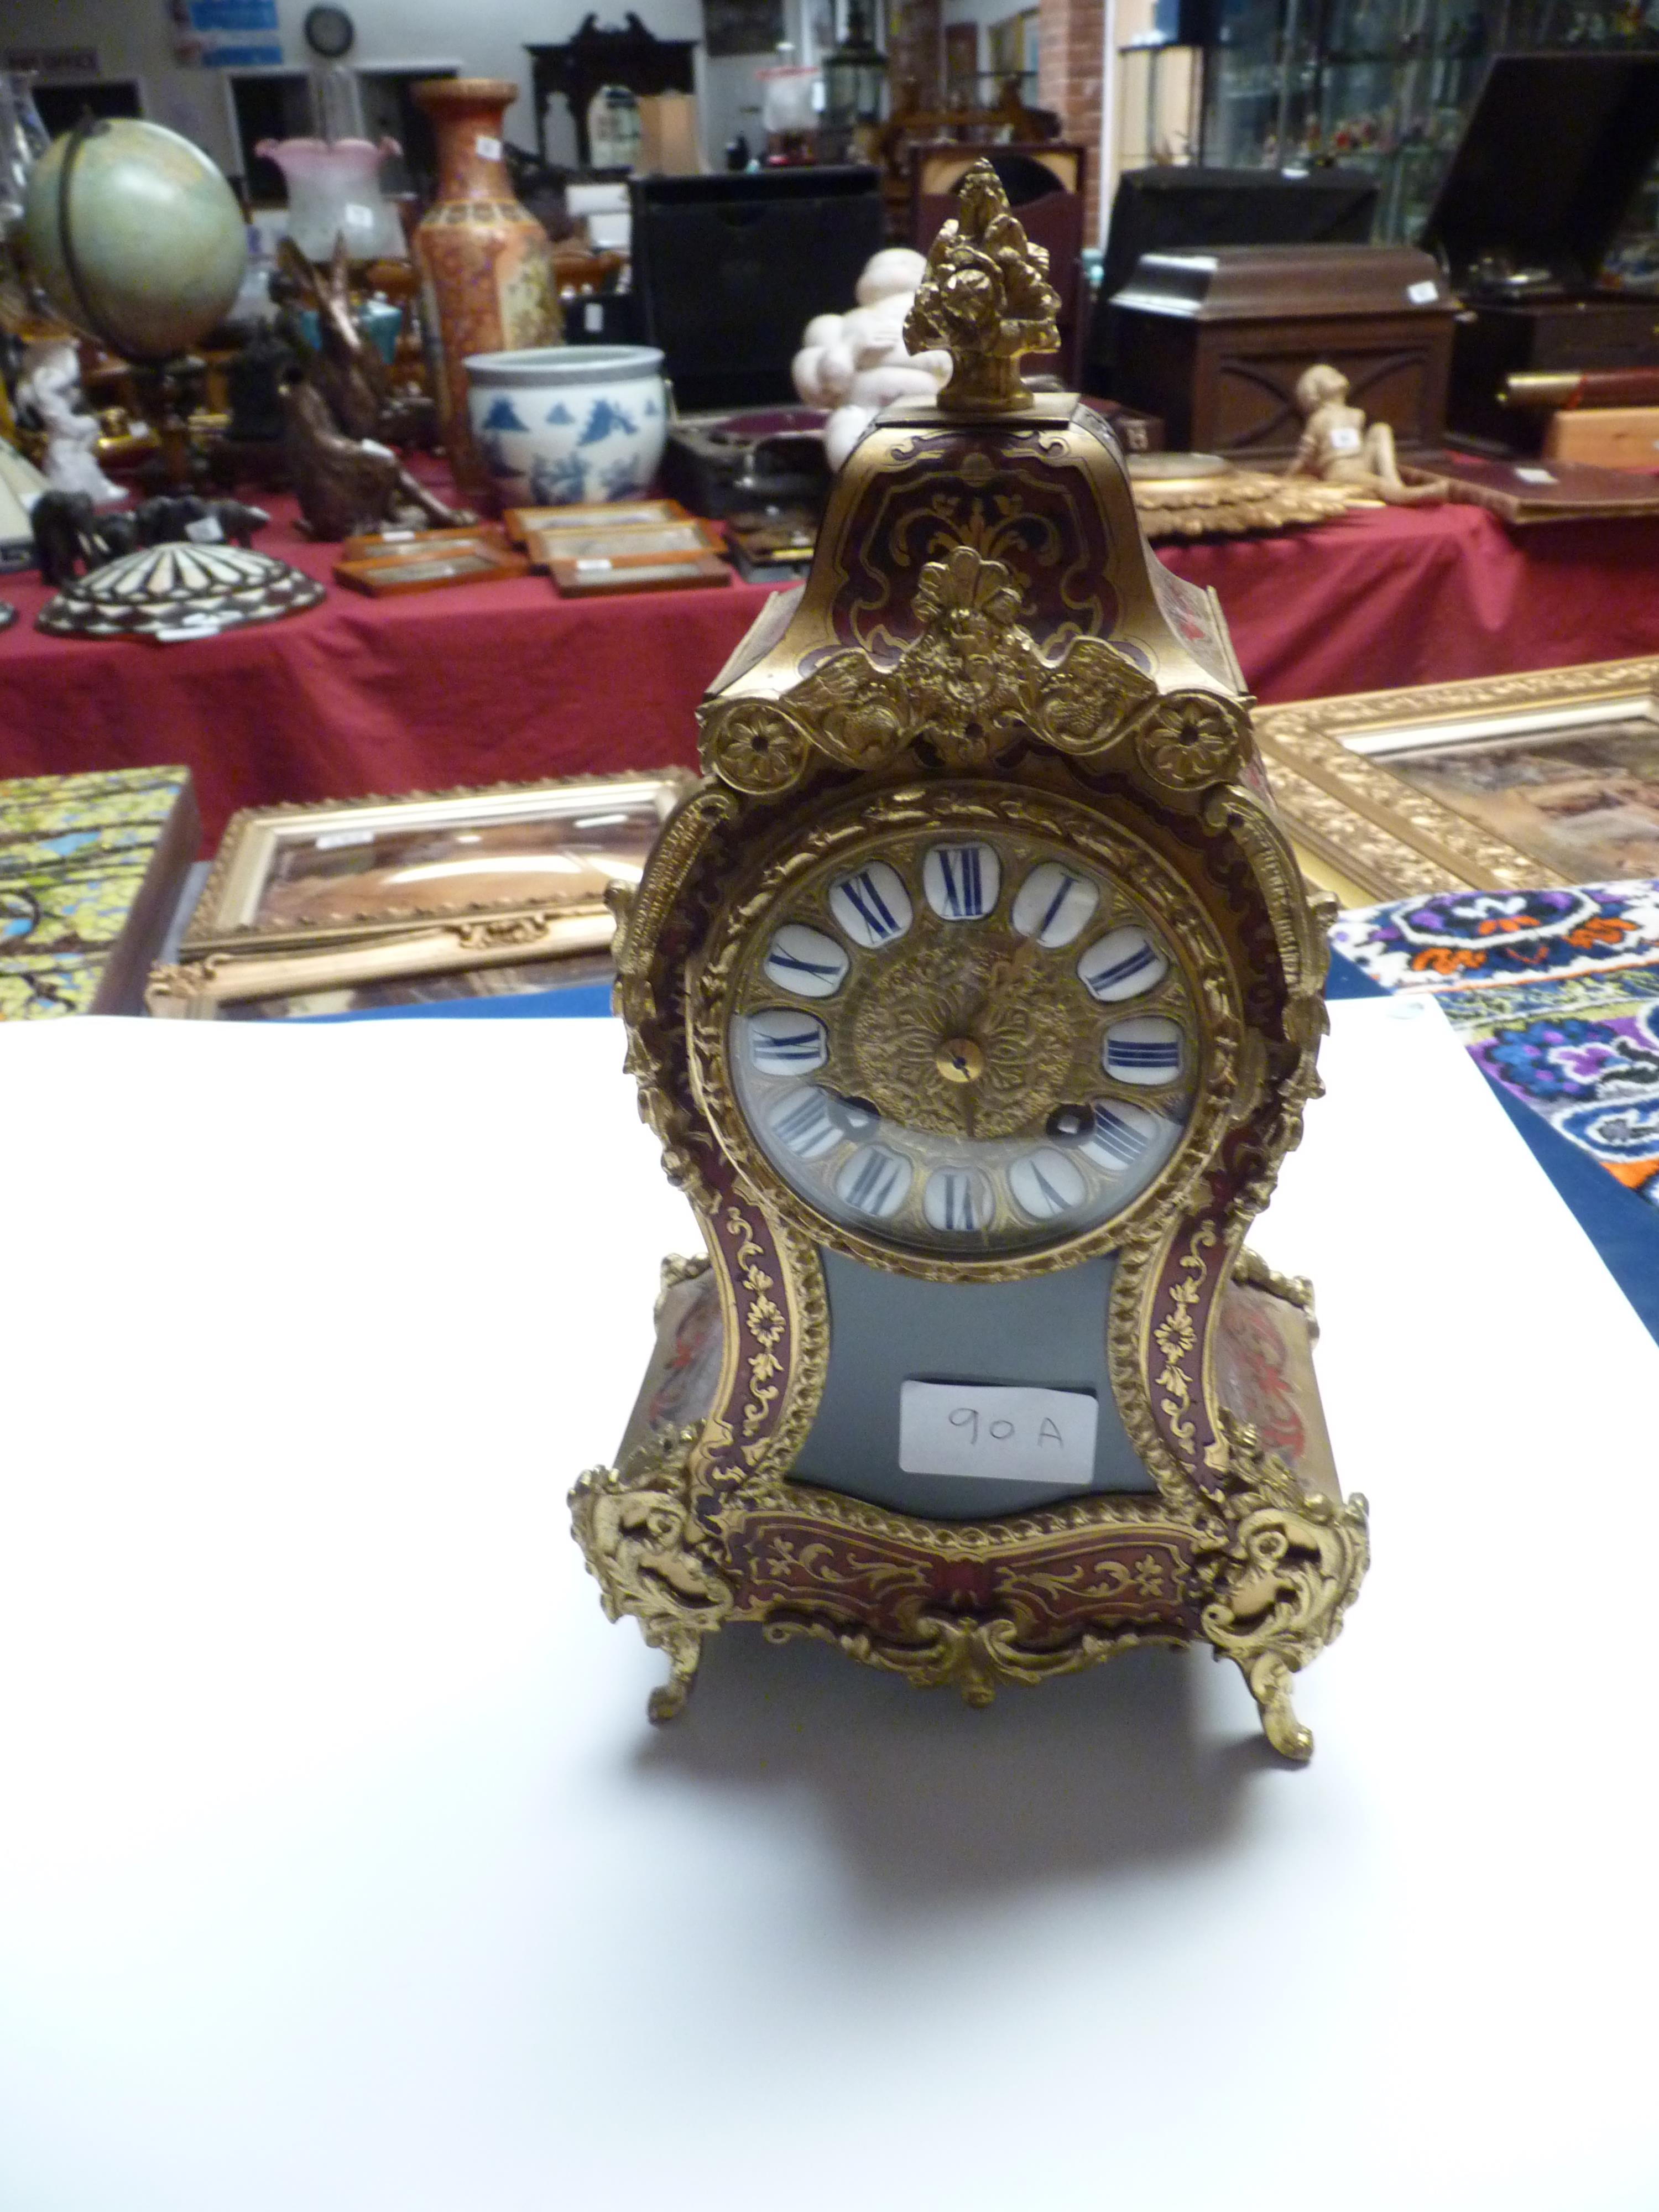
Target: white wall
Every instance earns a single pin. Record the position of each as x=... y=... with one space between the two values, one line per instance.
x=483 y=38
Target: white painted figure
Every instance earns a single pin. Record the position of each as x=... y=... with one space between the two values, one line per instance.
x=51 y=385
x=855 y=364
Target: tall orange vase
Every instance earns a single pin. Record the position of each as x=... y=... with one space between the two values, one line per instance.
x=488 y=281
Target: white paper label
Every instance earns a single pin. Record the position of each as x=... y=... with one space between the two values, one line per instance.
x=594 y=565
x=1424 y=294
x=206 y=532
x=331 y=841
x=1534 y=475
x=1345 y=438
x=998 y=1433
x=593 y=316
x=358 y=217
x=487 y=148
x=396 y=536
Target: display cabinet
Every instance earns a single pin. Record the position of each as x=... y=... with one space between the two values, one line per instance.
x=1382 y=86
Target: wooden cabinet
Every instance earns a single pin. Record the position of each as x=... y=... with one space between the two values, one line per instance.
x=1214 y=342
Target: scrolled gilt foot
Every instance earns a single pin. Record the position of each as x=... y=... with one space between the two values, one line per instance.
x=1269 y=1680
x=667 y=1702
x=649 y=1555
x=1278 y=1576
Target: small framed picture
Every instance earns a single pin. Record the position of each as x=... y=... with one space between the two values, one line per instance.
x=599 y=575
x=428 y=562
x=690 y=540
x=601 y=514
x=310 y=898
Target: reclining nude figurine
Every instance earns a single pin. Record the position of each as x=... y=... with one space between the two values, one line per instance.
x=1340 y=447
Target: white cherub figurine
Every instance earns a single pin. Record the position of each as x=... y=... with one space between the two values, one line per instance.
x=855 y=364
x=51 y=385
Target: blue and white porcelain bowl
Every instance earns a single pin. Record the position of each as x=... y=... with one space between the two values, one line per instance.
x=560 y=424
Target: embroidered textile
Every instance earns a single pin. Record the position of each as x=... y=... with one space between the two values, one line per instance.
x=1556 y=995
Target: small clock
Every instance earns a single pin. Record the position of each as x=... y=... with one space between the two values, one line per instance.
x=330 y=32
x=975 y=995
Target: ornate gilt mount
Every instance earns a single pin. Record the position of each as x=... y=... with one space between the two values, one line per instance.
x=971 y=685
x=1278 y=1577
x=987 y=300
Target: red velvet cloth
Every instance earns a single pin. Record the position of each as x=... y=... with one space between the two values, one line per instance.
x=493 y=683
x=1427 y=595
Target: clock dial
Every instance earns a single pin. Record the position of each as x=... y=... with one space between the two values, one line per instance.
x=963 y=1046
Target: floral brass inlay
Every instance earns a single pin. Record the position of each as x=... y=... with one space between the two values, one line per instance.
x=988 y=993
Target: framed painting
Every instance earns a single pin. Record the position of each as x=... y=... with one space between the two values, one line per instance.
x=317 y=898
x=1544 y=777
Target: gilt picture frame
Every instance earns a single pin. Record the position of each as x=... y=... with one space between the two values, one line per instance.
x=315 y=897
x=1536 y=777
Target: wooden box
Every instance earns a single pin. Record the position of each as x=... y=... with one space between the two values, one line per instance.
x=1494 y=342
x=1607 y=437
x=1214 y=340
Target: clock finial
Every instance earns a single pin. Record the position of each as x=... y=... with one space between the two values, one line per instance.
x=987 y=299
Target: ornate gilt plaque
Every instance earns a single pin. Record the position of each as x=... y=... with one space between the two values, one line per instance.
x=975 y=996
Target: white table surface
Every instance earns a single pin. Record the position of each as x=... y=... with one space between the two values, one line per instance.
x=340 y=1871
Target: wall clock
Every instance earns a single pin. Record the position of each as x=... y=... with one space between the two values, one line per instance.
x=330 y=32
x=975 y=995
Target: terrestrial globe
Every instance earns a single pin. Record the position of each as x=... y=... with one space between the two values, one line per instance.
x=135 y=236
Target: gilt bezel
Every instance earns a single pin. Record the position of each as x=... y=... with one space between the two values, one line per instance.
x=983 y=807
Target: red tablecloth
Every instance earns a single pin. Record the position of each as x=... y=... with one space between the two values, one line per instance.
x=488 y=683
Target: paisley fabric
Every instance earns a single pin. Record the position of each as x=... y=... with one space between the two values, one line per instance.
x=1556 y=995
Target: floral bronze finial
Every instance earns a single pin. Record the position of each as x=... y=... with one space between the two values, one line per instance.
x=987 y=299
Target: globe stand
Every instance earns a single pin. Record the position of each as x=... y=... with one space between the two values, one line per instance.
x=169 y=392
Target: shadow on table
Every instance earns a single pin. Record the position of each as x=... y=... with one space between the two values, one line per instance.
x=1095 y=1774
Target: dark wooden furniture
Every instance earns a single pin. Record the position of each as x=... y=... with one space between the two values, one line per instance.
x=729 y=270
x=1214 y=342
x=1555 y=151
x=632 y=57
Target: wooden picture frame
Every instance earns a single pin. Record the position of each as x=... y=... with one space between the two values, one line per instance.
x=601 y=577
x=603 y=514
x=1490 y=784
x=317 y=896
x=430 y=561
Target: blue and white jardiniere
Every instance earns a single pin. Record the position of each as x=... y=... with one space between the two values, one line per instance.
x=559 y=424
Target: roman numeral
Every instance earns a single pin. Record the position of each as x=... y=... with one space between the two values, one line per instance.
x=956 y=1201
x=781 y=1042
x=1117 y=1141
x=961 y=873
x=875 y=1181
x=1108 y=980
x=795 y=964
x=805 y=960
x=1121 y=1054
x=962 y=881
x=805 y=1123
x=871 y=907
x=1054 y=907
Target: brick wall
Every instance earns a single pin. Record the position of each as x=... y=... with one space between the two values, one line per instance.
x=1071 y=65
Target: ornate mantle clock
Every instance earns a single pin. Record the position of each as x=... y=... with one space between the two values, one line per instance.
x=975 y=996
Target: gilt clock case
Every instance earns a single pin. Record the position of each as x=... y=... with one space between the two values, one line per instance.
x=974 y=997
